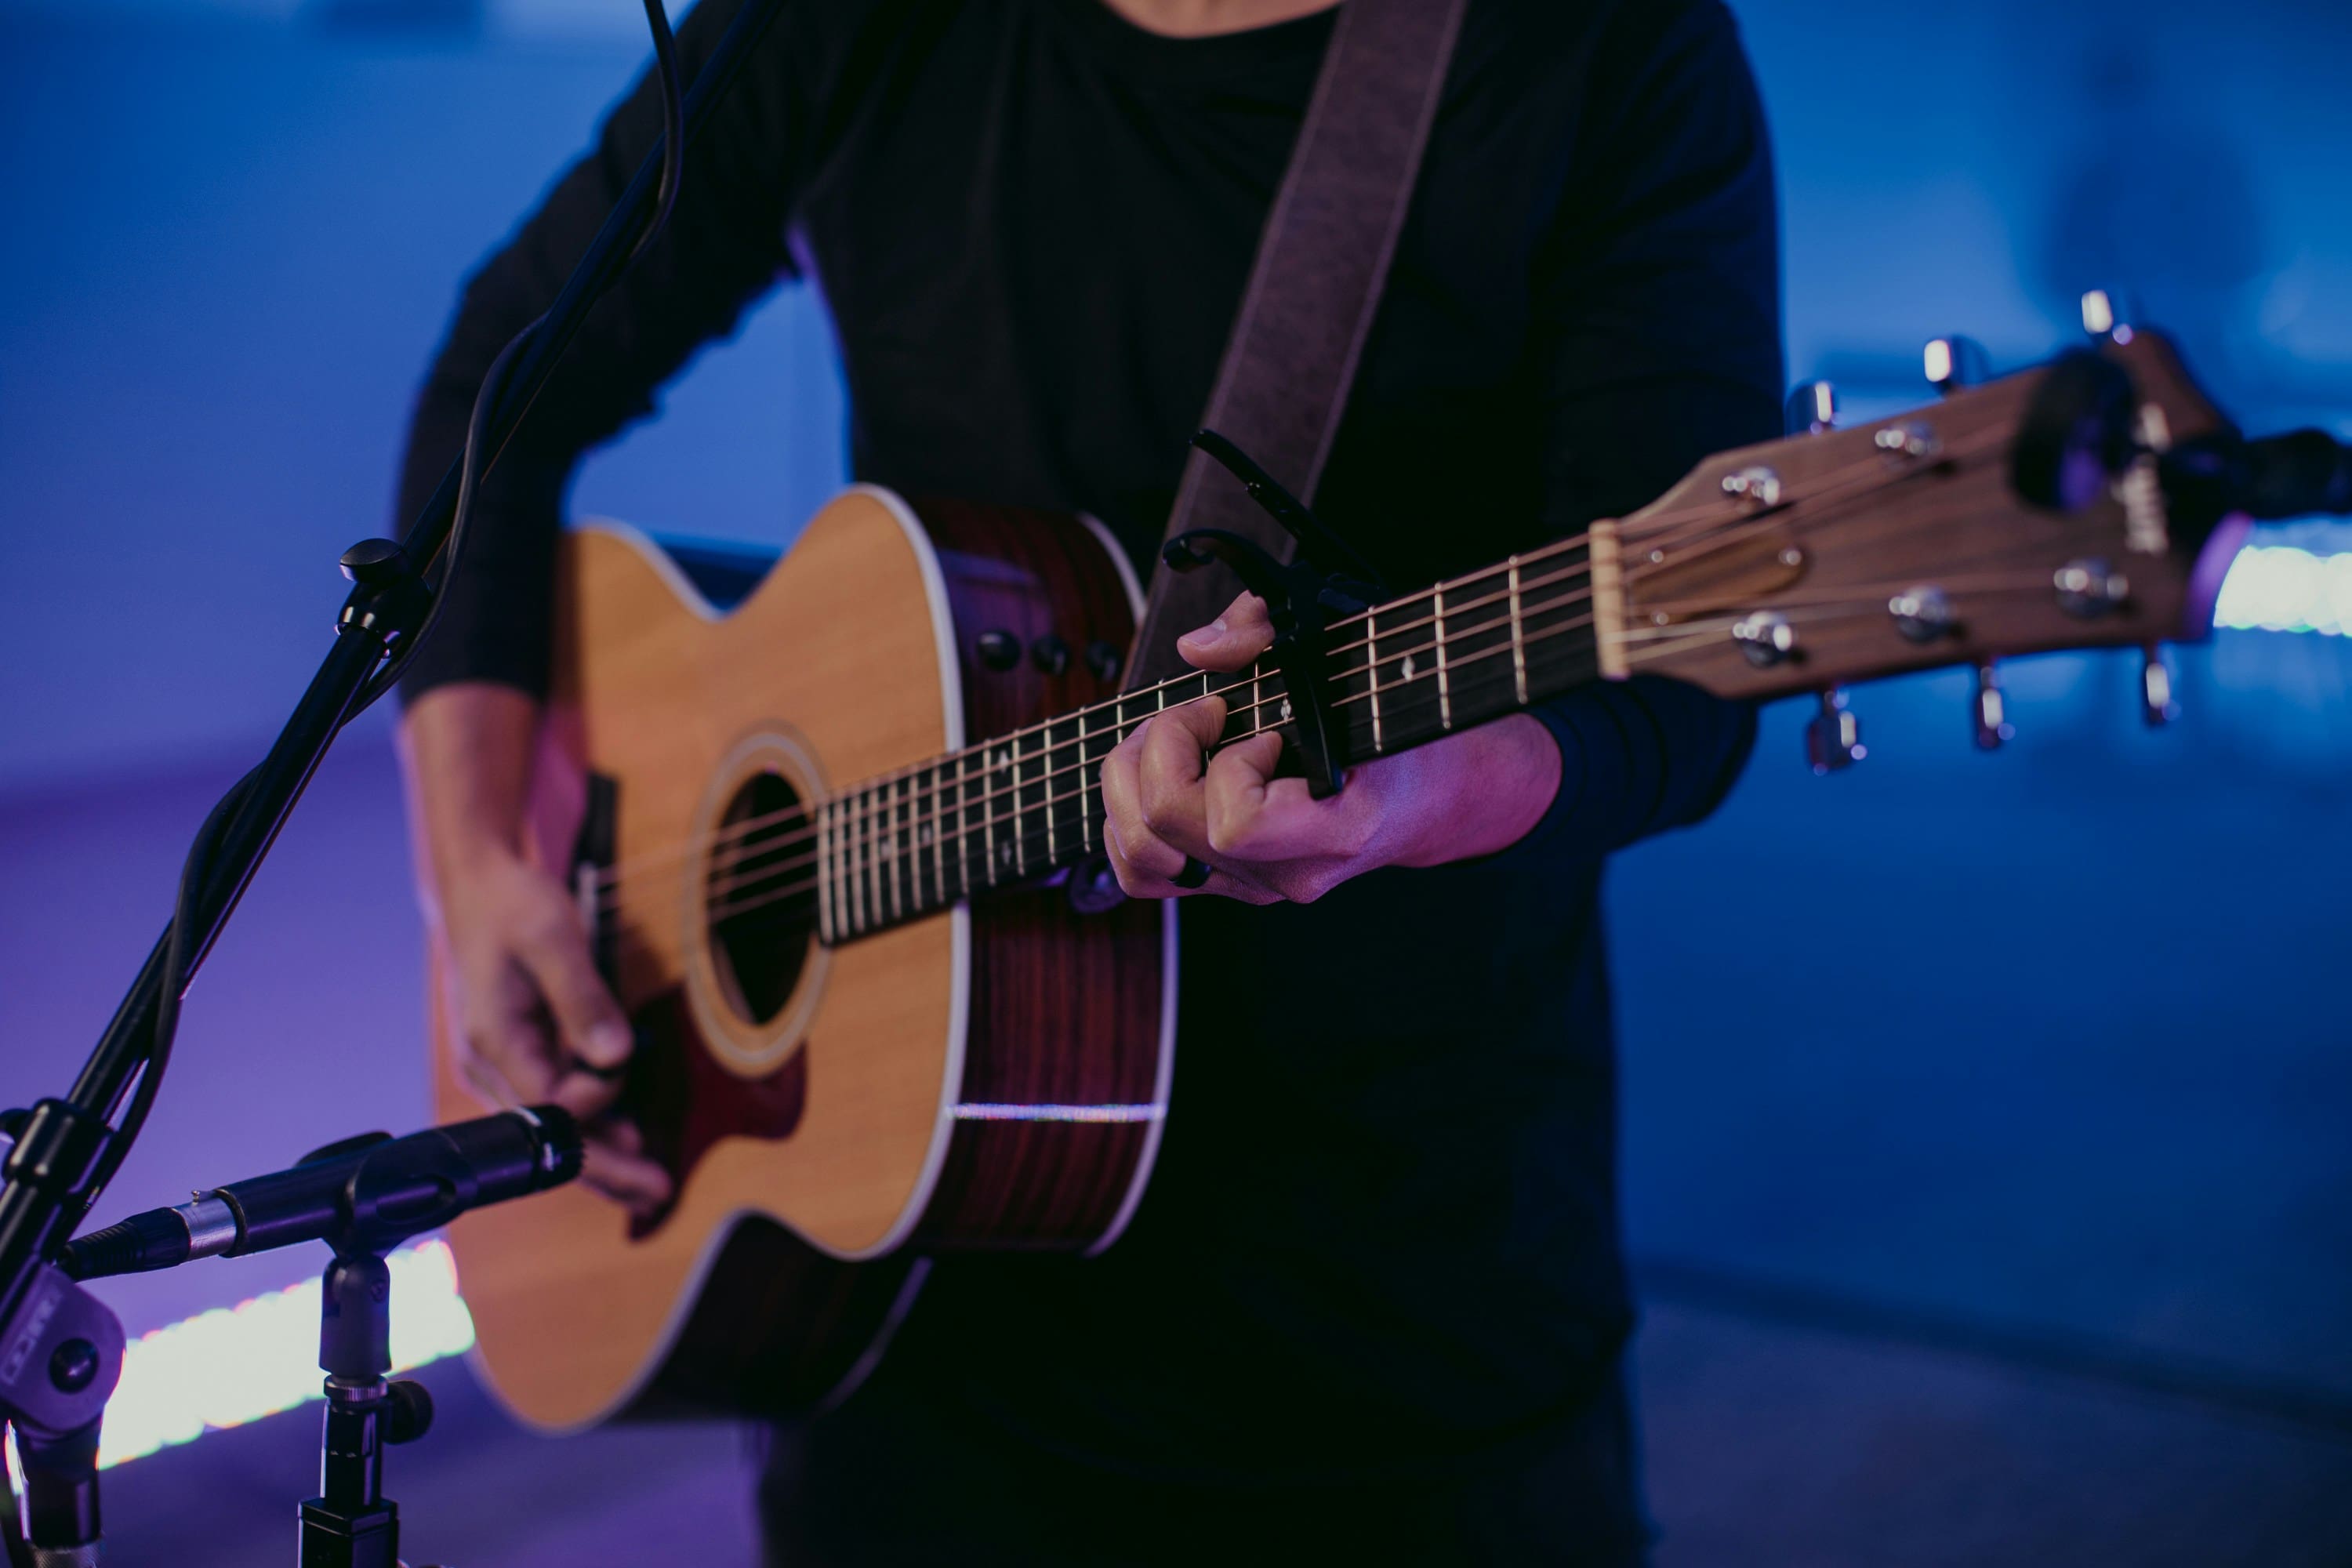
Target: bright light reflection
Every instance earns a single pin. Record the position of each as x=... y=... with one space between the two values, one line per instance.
x=235 y=1365
x=2279 y=588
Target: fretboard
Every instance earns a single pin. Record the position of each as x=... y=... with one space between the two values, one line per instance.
x=1024 y=805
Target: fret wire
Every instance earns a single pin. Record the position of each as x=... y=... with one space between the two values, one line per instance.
x=825 y=929
x=901 y=861
x=1372 y=666
x=1518 y=636
x=1046 y=760
x=871 y=816
x=910 y=857
x=939 y=849
x=1086 y=818
x=962 y=837
x=850 y=867
x=886 y=857
x=1444 y=690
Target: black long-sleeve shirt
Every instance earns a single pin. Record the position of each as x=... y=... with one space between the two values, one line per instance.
x=1383 y=1224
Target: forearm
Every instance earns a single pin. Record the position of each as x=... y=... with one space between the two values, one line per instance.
x=1502 y=780
x=466 y=748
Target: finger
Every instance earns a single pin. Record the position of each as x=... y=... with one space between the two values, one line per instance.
x=512 y=1042
x=592 y=1023
x=586 y=1095
x=625 y=1178
x=1145 y=863
x=1171 y=753
x=1137 y=879
x=1251 y=816
x=1233 y=639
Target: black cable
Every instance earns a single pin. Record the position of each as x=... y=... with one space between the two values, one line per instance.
x=487 y=396
x=196 y=871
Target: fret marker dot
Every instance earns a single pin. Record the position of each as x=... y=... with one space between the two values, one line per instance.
x=1286 y=707
x=1405 y=668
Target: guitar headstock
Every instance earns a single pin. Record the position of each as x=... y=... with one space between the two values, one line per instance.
x=2023 y=515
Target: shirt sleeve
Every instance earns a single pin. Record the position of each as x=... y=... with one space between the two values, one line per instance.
x=1658 y=315
x=724 y=246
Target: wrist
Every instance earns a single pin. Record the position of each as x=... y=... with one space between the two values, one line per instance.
x=1497 y=783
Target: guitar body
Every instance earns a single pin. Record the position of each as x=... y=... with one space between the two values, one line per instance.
x=990 y=1075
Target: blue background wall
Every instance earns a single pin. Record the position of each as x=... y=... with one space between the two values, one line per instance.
x=1985 y=1115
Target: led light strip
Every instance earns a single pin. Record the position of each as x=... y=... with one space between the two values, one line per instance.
x=235 y=1365
x=2280 y=588
x=971 y=1111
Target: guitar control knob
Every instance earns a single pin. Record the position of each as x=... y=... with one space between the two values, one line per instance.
x=1050 y=654
x=1833 y=736
x=2158 y=705
x=1989 y=713
x=1955 y=361
x=1104 y=659
x=998 y=649
x=1812 y=408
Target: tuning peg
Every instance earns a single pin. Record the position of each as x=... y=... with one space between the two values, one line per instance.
x=2157 y=706
x=2103 y=318
x=1955 y=361
x=1990 y=713
x=1833 y=736
x=1812 y=408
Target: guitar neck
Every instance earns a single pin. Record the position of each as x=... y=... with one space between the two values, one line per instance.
x=1024 y=805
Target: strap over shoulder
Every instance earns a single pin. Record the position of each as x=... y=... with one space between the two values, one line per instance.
x=1321 y=264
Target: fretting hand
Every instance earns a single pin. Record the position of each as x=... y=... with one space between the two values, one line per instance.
x=1172 y=808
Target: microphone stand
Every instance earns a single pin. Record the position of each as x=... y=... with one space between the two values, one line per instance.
x=60 y=1349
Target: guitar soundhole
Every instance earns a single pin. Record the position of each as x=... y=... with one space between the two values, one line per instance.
x=762 y=897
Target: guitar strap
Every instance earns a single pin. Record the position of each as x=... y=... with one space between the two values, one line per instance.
x=1321 y=263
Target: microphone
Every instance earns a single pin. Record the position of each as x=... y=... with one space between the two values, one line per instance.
x=371 y=1192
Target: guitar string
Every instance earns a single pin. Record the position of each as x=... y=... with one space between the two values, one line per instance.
x=906 y=868
x=1866 y=602
x=868 y=795
x=873 y=864
x=871 y=803
x=882 y=813
x=880 y=821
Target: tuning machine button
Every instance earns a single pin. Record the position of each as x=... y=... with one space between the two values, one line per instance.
x=1954 y=362
x=1765 y=637
x=2087 y=589
x=1922 y=613
x=1050 y=654
x=1910 y=438
x=2103 y=318
x=2157 y=704
x=1758 y=486
x=1812 y=408
x=1104 y=659
x=1988 y=710
x=998 y=649
x=1833 y=736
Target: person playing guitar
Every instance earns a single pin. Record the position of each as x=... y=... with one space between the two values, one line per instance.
x=1372 y=1308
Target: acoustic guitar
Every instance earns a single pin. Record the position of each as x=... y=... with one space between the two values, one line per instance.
x=834 y=825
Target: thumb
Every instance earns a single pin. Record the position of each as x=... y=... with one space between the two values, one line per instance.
x=592 y=1023
x=1233 y=639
